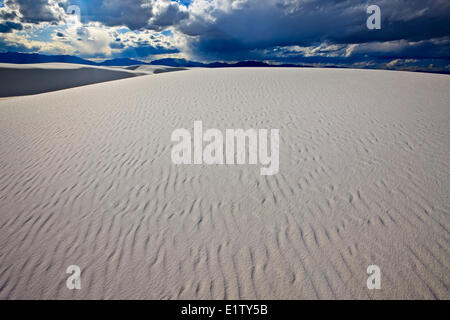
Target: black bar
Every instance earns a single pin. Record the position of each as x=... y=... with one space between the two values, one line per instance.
x=246 y=309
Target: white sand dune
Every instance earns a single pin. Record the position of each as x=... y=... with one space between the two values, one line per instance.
x=28 y=79
x=86 y=178
x=154 y=69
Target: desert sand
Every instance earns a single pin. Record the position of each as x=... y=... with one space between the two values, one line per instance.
x=86 y=179
x=28 y=79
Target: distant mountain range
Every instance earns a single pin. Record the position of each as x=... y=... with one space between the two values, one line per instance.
x=22 y=58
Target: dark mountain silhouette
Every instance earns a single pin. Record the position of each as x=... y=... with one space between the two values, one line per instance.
x=121 y=62
x=171 y=62
x=186 y=63
x=22 y=58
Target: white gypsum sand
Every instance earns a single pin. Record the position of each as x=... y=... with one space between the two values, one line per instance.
x=86 y=179
x=28 y=79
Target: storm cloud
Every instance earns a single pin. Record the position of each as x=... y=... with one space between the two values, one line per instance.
x=312 y=31
x=226 y=28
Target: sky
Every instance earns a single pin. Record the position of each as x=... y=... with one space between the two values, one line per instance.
x=414 y=34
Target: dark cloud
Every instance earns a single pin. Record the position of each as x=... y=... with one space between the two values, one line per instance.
x=166 y=14
x=131 y=13
x=116 y=45
x=8 y=15
x=236 y=29
x=426 y=49
x=134 y=14
x=37 y=11
x=9 y=26
x=146 y=50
